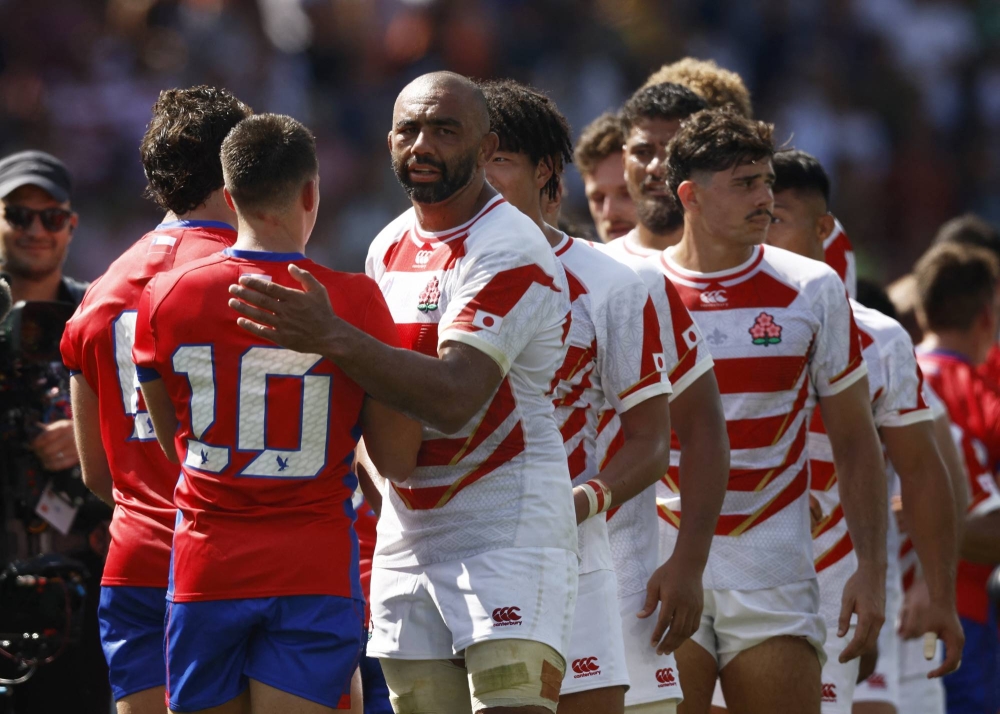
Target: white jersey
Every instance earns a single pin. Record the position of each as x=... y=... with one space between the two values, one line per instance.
x=633 y=528
x=501 y=481
x=782 y=335
x=896 y=389
x=838 y=253
x=628 y=250
x=615 y=359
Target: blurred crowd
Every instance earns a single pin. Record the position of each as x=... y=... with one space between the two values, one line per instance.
x=900 y=99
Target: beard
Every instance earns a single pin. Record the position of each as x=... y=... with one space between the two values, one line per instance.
x=13 y=262
x=659 y=215
x=454 y=177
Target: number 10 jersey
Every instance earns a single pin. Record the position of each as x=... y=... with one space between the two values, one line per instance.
x=266 y=435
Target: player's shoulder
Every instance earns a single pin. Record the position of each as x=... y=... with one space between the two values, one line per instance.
x=808 y=276
x=599 y=271
x=392 y=233
x=355 y=289
x=505 y=230
x=198 y=271
x=881 y=328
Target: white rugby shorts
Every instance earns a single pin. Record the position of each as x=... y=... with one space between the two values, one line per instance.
x=917 y=694
x=435 y=611
x=838 y=680
x=883 y=684
x=597 y=651
x=736 y=620
x=653 y=677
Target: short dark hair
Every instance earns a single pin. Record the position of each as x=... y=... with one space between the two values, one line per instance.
x=180 y=150
x=528 y=122
x=599 y=139
x=715 y=140
x=799 y=171
x=266 y=159
x=969 y=229
x=873 y=296
x=668 y=101
x=955 y=283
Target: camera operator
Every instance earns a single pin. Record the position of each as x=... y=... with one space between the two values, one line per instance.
x=43 y=503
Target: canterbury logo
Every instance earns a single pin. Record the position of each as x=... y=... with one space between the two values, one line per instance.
x=423 y=257
x=504 y=616
x=714 y=297
x=586 y=667
x=877 y=681
x=666 y=677
x=829 y=692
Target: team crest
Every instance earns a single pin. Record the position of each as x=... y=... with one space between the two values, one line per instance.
x=428 y=299
x=765 y=331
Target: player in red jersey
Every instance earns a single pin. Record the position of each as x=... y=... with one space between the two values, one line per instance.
x=265 y=606
x=120 y=459
x=619 y=355
x=800 y=223
x=783 y=339
x=477 y=550
x=959 y=311
x=598 y=157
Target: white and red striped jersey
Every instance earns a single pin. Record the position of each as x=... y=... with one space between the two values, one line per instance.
x=615 y=360
x=633 y=529
x=838 y=253
x=501 y=481
x=895 y=385
x=627 y=249
x=782 y=335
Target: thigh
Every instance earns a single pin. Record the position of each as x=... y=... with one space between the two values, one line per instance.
x=512 y=674
x=307 y=646
x=653 y=708
x=131 y=622
x=265 y=699
x=781 y=674
x=148 y=701
x=438 y=686
x=652 y=678
x=206 y=651
x=238 y=705
x=596 y=660
x=699 y=672
x=608 y=700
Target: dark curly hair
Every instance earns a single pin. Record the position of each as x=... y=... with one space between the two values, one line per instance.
x=266 y=159
x=180 y=151
x=714 y=140
x=599 y=139
x=667 y=101
x=529 y=122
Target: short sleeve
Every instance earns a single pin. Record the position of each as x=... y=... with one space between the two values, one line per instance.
x=684 y=350
x=836 y=362
x=901 y=402
x=378 y=321
x=500 y=300
x=70 y=347
x=984 y=495
x=630 y=354
x=144 y=348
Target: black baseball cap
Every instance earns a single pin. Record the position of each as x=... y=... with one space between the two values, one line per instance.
x=35 y=168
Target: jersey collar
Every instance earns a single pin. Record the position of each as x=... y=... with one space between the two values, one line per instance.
x=421 y=236
x=219 y=225
x=263 y=255
x=724 y=277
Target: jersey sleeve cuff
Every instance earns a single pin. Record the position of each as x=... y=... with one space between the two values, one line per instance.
x=467 y=338
x=845 y=381
x=900 y=419
x=74 y=372
x=146 y=374
x=688 y=378
x=653 y=390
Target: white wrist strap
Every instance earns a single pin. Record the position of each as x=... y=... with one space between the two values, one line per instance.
x=598 y=496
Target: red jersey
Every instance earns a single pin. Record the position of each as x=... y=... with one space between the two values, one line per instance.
x=991 y=368
x=365 y=528
x=97 y=344
x=838 y=253
x=974 y=407
x=265 y=435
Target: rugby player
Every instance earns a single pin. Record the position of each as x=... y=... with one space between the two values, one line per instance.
x=598 y=156
x=619 y=355
x=120 y=458
x=475 y=571
x=783 y=339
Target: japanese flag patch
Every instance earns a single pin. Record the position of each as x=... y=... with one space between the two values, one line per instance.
x=487 y=321
x=660 y=360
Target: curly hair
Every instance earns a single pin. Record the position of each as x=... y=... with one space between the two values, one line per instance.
x=717 y=86
x=266 y=159
x=180 y=150
x=715 y=140
x=529 y=122
x=600 y=139
x=955 y=283
x=668 y=101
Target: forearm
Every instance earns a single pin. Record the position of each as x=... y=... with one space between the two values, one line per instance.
x=861 y=480
x=704 y=473
x=931 y=525
x=640 y=463
x=956 y=470
x=981 y=539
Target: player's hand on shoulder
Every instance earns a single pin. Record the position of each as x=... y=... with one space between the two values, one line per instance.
x=301 y=320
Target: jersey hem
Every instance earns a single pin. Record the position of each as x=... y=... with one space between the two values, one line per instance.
x=846 y=381
x=203 y=597
x=450 y=334
x=915 y=417
x=654 y=390
x=129 y=583
x=697 y=369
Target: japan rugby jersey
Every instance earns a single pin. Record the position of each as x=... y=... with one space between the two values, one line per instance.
x=974 y=407
x=627 y=249
x=97 y=343
x=265 y=435
x=781 y=333
x=838 y=253
x=633 y=529
x=615 y=357
x=501 y=481
x=896 y=388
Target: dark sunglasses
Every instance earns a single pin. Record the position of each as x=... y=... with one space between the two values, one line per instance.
x=53 y=219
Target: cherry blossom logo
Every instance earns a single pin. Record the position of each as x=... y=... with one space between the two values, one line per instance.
x=765 y=331
x=428 y=299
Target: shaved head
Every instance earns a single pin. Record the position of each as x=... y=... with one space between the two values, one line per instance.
x=437 y=86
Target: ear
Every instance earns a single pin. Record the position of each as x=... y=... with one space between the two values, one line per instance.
x=687 y=192
x=388 y=140
x=824 y=226
x=310 y=195
x=543 y=172
x=229 y=198
x=487 y=147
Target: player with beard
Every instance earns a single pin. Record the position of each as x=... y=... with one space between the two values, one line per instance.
x=783 y=339
x=617 y=348
x=801 y=221
x=649 y=119
x=598 y=157
x=475 y=573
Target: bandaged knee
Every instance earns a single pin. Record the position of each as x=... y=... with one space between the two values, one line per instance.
x=428 y=686
x=514 y=673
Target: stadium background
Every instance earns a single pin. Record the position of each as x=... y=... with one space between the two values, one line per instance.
x=899 y=98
